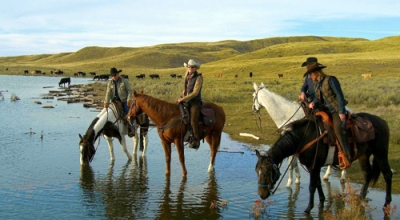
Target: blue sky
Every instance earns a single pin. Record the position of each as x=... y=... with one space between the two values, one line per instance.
x=56 y=26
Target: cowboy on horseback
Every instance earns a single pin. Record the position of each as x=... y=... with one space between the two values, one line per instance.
x=328 y=94
x=119 y=89
x=192 y=95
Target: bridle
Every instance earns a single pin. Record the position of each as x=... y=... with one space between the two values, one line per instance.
x=273 y=178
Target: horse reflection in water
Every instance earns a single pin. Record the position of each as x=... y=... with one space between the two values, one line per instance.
x=110 y=123
x=283 y=112
x=121 y=196
x=181 y=205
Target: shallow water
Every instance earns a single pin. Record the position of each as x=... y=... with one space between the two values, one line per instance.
x=42 y=178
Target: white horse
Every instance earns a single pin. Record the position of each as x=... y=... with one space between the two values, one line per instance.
x=282 y=112
x=109 y=123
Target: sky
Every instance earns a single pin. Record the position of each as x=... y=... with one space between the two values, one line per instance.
x=30 y=27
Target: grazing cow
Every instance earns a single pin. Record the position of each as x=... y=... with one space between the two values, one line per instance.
x=218 y=75
x=141 y=76
x=57 y=72
x=369 y=75
x=280 y=75
x=101 y=77
x=179 y=76
x=154 y=76
x=76 y=74
x=38 y=72
x=125 y=76
x=92 y=73
x=26 y=72
x=173 y=75
x=251 y=74
x=64 y=81
x=83 y=74
x=236 y=76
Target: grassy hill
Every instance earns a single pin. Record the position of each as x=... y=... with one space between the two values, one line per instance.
x=265 y=56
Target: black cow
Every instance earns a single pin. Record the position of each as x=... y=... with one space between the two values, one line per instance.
x=154 y=76
x=92 y=73
x=64 y=81
x=141 y=76
x=125 y=76
x=173 y=75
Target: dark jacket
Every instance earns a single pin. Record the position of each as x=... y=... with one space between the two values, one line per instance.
x=329 y=93
x=190 y=83
x=308 y=88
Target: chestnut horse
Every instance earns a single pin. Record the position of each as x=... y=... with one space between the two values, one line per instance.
x=171 y=128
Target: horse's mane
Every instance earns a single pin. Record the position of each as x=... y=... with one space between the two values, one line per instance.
x=164 y=108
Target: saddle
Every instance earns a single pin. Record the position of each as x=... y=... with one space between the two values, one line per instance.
x=360 y=130
x=207 y=115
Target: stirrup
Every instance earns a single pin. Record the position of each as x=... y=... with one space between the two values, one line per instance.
x=343 y=161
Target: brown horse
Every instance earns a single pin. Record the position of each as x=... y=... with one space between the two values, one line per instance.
x=171 y=128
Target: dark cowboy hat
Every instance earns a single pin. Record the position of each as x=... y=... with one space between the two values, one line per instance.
x=313 y=66
x=309 y=60
x=114 y=71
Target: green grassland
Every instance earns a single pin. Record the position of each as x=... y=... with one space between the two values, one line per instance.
x=346 y=58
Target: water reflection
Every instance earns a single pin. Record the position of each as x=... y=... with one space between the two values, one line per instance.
x=186 y=205
x=122 y=196
x=292 y=198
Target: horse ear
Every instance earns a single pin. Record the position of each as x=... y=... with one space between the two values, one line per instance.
x=258 y=154
x=142 y=91
x=255 y=86
x=262 y=84
x=134 y=93
x=80 y=136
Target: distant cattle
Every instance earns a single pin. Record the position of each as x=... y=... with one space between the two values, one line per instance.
x=83 y=74
x=125 y=76
x=236 y=76
x=369 y=75
x=218 y=75
x=173 y=75
x=26 y=72
x=251 y=74
x=154 y=76
x=179 y=76
x=65 y=81
x=57 y=72
x=280 y=75
x=92 y=73
x=76 y=74
x=141 y=76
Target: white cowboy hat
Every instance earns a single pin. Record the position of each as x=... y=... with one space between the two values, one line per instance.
x=192 y=63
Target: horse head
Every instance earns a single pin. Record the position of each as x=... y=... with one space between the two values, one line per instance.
x=87 y=150
x=268 y=173
x=256 y=104
x=134 y=108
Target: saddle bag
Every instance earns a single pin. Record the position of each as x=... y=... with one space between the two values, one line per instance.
x=208 y=115
x=362 y=128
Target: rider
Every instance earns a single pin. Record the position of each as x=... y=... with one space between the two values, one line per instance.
x=118 y=88
x=192 y=95
x=328 y=93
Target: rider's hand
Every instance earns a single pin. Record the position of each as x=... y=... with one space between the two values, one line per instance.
x=302 y=96
x=311 y=105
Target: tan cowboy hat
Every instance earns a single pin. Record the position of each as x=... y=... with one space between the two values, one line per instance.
x=313 y=66
x=114 y=71
x=190 y=63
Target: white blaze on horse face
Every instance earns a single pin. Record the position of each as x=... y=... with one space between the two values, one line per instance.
x=81 y=156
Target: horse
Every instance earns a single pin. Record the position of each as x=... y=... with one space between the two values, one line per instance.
x=110 y=123
x=304 y=133
x=283 y=112
x=172 y=129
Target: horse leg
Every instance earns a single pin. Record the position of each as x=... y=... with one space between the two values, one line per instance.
x=167 y=152
x=214 y=142
x=315 y=184
x=181 y=153
x=145 y=142
x=290 y=174
x=366 y=170
x=123 y=146
x=297 y=170
x=343 y=176
x=387 y=175
x=110 y=147
x=327 y=173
